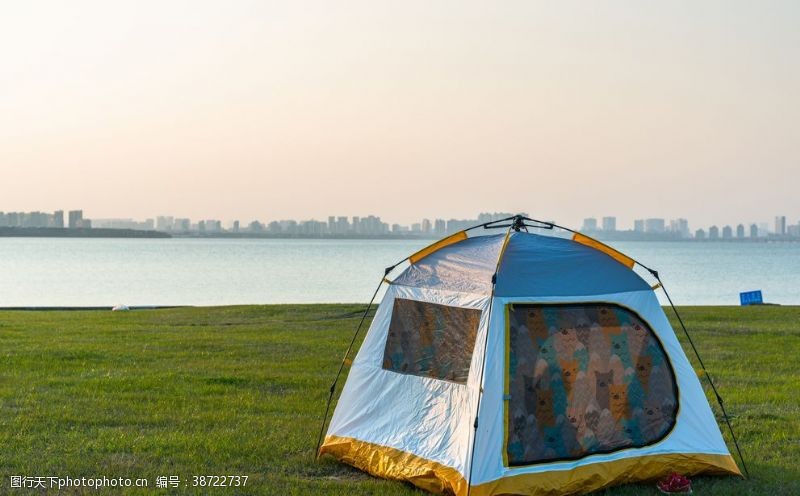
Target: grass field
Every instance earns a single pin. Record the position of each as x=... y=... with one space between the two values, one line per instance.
x=240 y=391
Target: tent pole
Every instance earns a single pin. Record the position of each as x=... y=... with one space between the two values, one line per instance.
x=483 y=361
x=705 y=372
x=347 y=353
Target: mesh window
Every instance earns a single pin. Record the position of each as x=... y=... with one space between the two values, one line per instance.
x=584 y=379
x=431 y=340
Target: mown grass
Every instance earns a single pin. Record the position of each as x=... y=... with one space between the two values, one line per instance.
x=240 y=390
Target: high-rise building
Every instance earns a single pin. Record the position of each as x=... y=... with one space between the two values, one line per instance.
x=609 y=224
x=680 y=227
x=713 y=232
x=75 y=218
x=655 y=226
x=426 y=226
x=740 y=231
x=589 y=224
x=164 y=223
x=58 y=218
x=236 y=226
x=342 y=225
x=700 y=234
x=727 y=232
x=780 y=225
x=182 y=225
x=439 y=226
x=455 y=225
x=638 y=225
x=753 y=231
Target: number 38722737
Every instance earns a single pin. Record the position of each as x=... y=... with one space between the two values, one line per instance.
x=219 y=480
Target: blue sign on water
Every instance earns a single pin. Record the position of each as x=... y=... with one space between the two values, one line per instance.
x=751 y=298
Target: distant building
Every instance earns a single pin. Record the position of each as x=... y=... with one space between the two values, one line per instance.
x=455 y=225
x=793 y=231
x=485 y=217
x=655 y=226
x=439 y=226
x=58 y=218
x=740 y=231
x=165 y=223
x=713 y=232
x=700 y=234
x=680 y=227
x=236 y=226
x=589 y=224
x=780 y=225
x=753 y=231
x=182 y=225
x=342 y=225
x=638 y=225
x=727 y=232
x=312 y=228
x=426 y=226
x=75 y=218
x=609 y=224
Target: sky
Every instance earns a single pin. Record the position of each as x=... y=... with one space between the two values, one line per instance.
x=274 y=110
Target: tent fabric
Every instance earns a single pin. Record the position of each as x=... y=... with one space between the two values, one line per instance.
x=466 y=266
x=419 y=427
x=535 y=265
x=532 y=265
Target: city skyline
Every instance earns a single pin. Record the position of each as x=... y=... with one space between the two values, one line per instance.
x=678 y=228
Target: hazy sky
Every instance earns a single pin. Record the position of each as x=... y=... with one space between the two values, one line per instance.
x=405 y=109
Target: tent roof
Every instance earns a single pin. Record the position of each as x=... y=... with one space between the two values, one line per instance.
x=532 y=265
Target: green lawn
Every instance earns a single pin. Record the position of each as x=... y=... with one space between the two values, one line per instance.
x=240 y=391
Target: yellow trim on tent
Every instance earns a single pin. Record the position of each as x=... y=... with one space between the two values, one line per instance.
x=506 y=386
x=611 y=252
x=390 y=463
x=587 y=478
x=454 y=238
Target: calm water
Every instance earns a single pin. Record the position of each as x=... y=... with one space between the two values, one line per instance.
x=88 y=272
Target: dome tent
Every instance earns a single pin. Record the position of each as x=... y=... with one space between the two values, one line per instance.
x=518 y=363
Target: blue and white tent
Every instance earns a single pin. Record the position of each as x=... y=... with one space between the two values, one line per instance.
x=523 y=364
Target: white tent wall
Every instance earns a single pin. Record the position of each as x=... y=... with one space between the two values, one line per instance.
x=430 y=418
x=695 y=430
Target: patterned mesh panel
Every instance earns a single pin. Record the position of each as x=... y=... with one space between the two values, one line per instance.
x=431 y=340
x=584 y=379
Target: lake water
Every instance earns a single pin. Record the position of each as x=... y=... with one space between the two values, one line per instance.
x=98 y=272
